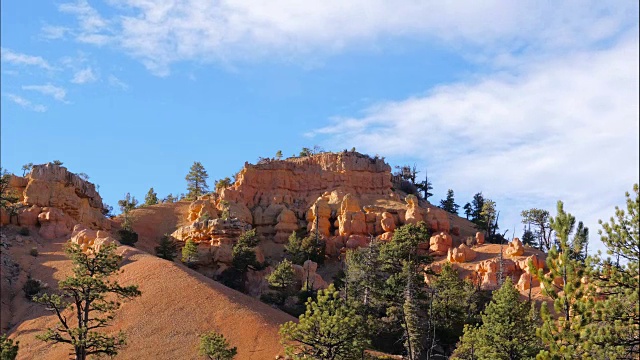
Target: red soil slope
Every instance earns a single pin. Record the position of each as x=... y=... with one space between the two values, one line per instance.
x=176 y=306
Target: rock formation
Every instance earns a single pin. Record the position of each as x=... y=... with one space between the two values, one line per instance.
x=88 y=238
x=515 y=248
x=440 y=244
x=56 y=199
x=461 y=254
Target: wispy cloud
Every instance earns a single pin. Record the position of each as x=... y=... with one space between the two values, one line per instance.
x=84 y=76
x=56 y=92
x=26 y=103
x=162 y=33
x=117 y=83
x=54 y=32
x=566 y=128
x=11 y=57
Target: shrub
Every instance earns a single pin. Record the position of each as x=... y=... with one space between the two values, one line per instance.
x=33 y=252
x=32 y=287
x=8 y=351
x=24 y=231
x=128 y=237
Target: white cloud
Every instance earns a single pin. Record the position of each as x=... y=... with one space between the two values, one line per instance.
x=162 y=33
x=56 y=92
x=566 y=128
x=11 y=57
x=117 y=83
x=84 y=76
x=26 y=103
x=54 y=32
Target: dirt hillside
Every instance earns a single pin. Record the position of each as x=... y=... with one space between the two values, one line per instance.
x=176 y=306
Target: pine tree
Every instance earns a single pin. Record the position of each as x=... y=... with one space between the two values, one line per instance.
x=196 y=181
x=540 y=220
x=561 y=334
x=151 y=198
x=126 y=205
x=7 y=194
x=449 y=203
x=451 y=306
x=467 y=210
x=615 y=330
x=279 y=154
x=215 y=347
x=243 y=252
x=167 y=248
x=88 y=293
x=329 y=329
x=529 y=238
x=190 y=253
x=507 y=331
x=488 y=220
x=282 y=279
x=26 y=168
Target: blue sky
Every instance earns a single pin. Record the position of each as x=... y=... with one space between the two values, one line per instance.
x=529 y=102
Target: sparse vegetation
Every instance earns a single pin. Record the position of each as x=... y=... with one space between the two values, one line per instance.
x=151 y=198
x=24 y=231
x=8 y=349
x=33 y=252
x=26 y=168
x=86 y=293
x=215 y=347
x=32 y=287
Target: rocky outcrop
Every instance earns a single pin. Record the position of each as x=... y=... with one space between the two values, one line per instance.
x=53 y=186
x=307 y=178
x=90 y=239
x=440 y=244
x=515 y=248
x=55 y=199
x=414 y=212
x=287 y=224
x=479 y=238
x=308 y=272
x=461 y=254
x=487 y=272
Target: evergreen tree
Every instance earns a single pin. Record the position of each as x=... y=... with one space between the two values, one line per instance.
x=57 y=162
x=222 y=184
x=279 y=154
x=126 y=205
x=301 y=250
x=476 y=205
x=7 y=194
x=488 y=221
x=151 y=198
x=561 y=334
x=167 y=248
x=190 y=253
x=215 y=347
x=507 y=331
x=467 y=210
x=329 y=329
x=402 y=261
x=243 y=252
x=452 y=305
x=425 y=186
x=615 y=330
x=540 y=220
x=8 y=350
x=449 y=203
x=26 y=168
x=282 y=279
x=529 y=238
x=88 y=293
x=196 y=181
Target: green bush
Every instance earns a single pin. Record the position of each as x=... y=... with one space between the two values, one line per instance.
x=24 y=231
x=128 y=237
x=8 y=351
x=33 y=252
x=32 y=287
